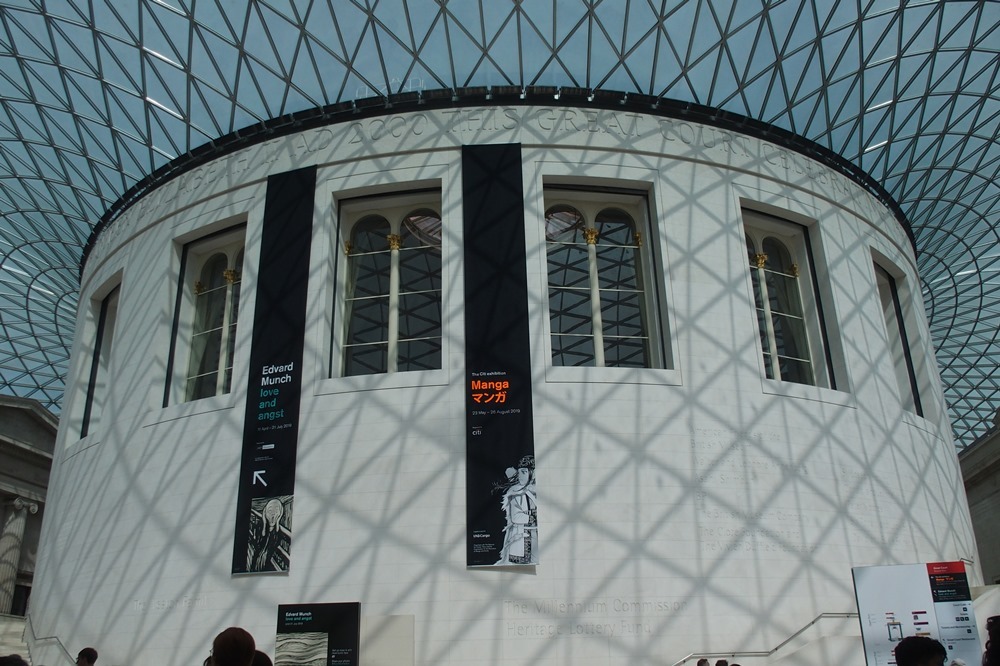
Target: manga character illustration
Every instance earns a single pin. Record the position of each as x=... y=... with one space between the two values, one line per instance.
x=520 y=506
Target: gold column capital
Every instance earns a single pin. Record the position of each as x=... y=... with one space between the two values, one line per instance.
x=21 y=504
x=395 y=241
x=760 y=259
x=590 y=235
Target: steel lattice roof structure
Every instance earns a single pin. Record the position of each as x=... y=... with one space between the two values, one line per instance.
x=96 y=95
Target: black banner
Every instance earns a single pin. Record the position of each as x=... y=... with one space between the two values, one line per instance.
x=501 y=506
x=271 y=426
x=318 y=634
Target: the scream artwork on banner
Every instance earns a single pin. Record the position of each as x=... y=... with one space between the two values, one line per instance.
x=263 y=538
x=318 y=635
x=501 y=496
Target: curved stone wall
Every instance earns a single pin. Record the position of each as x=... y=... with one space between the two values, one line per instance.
x=695 y=505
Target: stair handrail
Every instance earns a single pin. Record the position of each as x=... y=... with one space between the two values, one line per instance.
x=763 y=653
x=28 y=626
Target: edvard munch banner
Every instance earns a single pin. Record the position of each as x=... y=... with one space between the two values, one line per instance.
x=501 y=502
x=263 y=537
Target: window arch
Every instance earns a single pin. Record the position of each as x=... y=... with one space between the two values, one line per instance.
x=895 y=317
x=393 y=286
x=783 y=334
x=789 y=321
x=367 y=304
x=100 y=367
x=207 y=316
x=601 y=311
x=213 y=335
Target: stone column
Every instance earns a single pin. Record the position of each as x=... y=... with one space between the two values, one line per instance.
x=16 y=516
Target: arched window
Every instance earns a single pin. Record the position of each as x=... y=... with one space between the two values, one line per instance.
x=600 y=310
x=97 y=386
x=369 y=274
x=208 y=313
x=393 y=295
x=420 y=292
x=788 y=318
x=894 y=315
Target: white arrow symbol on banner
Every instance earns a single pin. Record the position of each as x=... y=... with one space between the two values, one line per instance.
x=258 y=475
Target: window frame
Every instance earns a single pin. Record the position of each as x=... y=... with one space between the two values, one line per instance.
x=96 y=395
x=758 y=225
x=394 y=207
x=591 y=201
x=195 y=254
x=889 y=285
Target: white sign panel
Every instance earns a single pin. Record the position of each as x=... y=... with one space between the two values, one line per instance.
x=916 y=600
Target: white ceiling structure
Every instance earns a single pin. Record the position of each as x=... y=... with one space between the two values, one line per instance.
x=97 y=95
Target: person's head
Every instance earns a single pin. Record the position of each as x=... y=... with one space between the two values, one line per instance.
x=87 y=657
x=703 y=662
x=261 y=659
x=722 y=662
x=13 y=660
x=992 y=656
x=233 y=647
x=919 y=651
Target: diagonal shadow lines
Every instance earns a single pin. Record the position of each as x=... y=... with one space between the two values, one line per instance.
x=715 y=513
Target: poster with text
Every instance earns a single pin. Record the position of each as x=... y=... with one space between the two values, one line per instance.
x=896 y=601
x=318 y=634
x=263 y=534
x=501 y=495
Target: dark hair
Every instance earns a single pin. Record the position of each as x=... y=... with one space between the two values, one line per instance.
x=233 y=647
x=722 y=662
x=261 y=659
x=13 y=660
x=703 y=662
x=88 y=653
x=992 y=655
x=915 y=650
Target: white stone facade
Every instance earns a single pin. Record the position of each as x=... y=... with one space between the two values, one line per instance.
x=697 y=507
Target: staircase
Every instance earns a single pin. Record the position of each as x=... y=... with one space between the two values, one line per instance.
x=12 y=636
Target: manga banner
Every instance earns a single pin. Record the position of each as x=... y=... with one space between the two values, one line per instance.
x=270 y=429
x=501 y=501
x=318 y=635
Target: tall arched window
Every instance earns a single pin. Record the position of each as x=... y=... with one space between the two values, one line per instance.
x=97 y=386
x=393 y=286
x=369 y=270
x=601 y=309
x=207 y=316
x=788 y=317
x=898 y=341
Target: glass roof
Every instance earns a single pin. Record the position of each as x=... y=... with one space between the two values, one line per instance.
x=95 y=95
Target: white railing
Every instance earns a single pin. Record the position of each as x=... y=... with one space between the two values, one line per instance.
x=763 y=653
x=29 y=629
